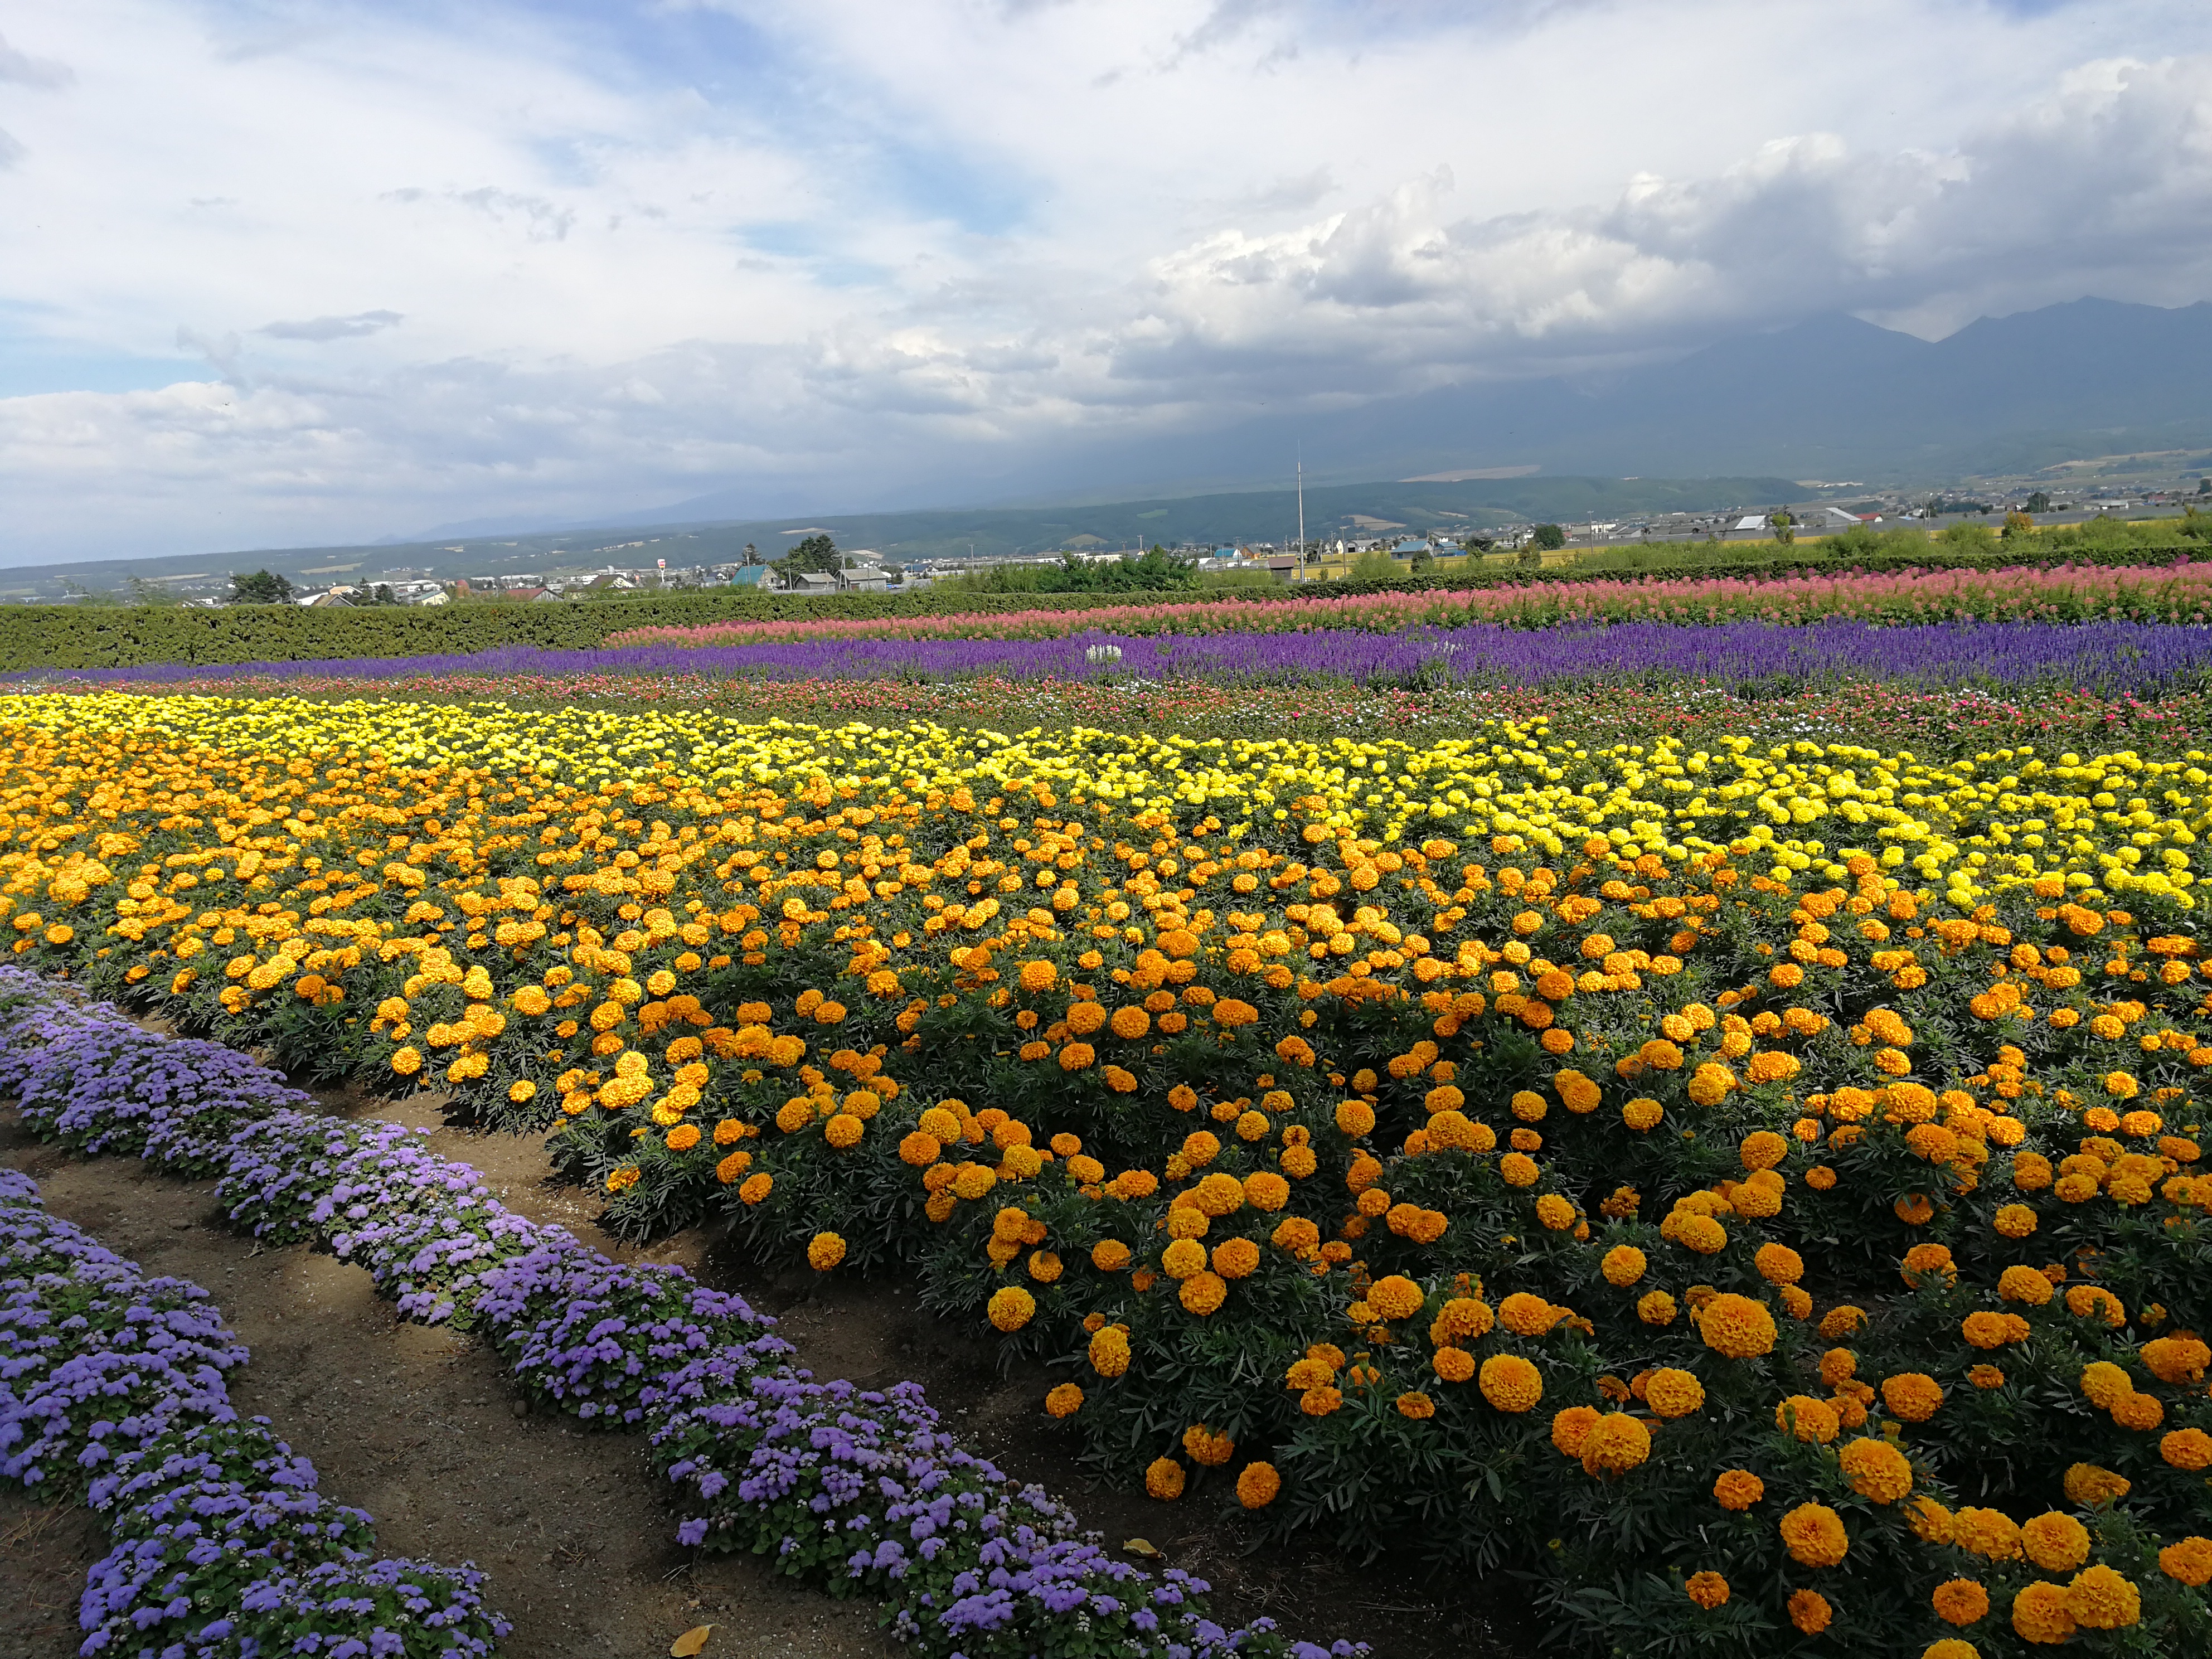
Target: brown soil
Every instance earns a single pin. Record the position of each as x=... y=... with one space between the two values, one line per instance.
x=418 y=1426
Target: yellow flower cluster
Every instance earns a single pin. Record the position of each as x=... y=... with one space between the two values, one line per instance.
x=1154 y=1051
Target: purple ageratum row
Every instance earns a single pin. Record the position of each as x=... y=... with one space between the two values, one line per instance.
x=2112 y=658
x=857 y=1490
x=112 y=1390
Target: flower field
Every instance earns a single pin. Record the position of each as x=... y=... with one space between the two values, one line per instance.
x=1754 y=1191
x=2112 y=658
x=2063 y=594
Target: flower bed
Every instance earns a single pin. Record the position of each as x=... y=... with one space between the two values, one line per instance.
x=113 y=1395
x=2062 y=594
x=859 y=1490
x=2114 y=659
x=1738 y=1235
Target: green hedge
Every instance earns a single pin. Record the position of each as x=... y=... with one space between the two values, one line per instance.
x=69 y=637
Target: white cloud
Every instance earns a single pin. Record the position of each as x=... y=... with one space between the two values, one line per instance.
x=843 y=253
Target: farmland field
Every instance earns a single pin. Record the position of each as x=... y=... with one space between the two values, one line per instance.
x=1679 y=1133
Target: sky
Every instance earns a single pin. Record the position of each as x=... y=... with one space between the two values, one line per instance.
x=288 y=272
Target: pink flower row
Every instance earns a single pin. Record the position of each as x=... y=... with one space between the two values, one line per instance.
x=2173 y=593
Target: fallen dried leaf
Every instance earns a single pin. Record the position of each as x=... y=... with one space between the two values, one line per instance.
x=687 y=1645
x=1145 y=1548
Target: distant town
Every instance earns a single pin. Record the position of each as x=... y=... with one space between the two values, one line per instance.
x=805 y=559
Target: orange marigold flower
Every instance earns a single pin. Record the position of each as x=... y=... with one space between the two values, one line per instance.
x=1738 y=1489
x=2188 y=1562
x=1257 y=1486
x=1912 y=1395
x=2101 y=1598
x=1671 y=1392
x=1961 y=1601
x=1708 y=1589
x=1876 y=1469
x=1810 y=1612
x=1814 y=1536
x=1812 y=1421
x=1616 y=1444
x=1736 y=1326
x=1065 y=1400
x=1164 y=1478
x=1570 y=1428
x=1509 y=1382
x=2056 y=1542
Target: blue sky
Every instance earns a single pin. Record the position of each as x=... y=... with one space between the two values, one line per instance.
x=302 y=270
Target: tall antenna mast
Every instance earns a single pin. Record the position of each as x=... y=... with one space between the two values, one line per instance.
x=1302 y=512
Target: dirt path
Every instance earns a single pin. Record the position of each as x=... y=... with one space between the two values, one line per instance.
x=419 y=1427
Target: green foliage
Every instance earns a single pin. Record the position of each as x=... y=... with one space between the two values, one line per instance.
x=1158 y=571
x=259 y=588
x=1549 y=536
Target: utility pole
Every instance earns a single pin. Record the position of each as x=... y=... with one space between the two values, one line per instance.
x=1302 y=515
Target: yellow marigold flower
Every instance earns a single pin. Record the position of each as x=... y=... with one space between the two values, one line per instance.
x=2014 y=1220
x=1642 y=1115
x=1510 y=1382
x=1064 y=1401
x=2040 y=1615
x=1109 y=1256
x=1671 y=1392
x=756 y=1187
x=1809 y=1611
x=825 y=1251
x=407 y=1061
x=919 y=1150
x=2094 y=1302
x=1623 y=1266
x=1554 y=1214
x=1738 y=1490
x=732 y=1166
x=682 y=1138
x=2024 y=1285
x=1736 y=1326
x=1416 y=1405
x=1961 y=1601
x=1814 y=1536
x=1257 y=1485
x=843 y=1131
x=1912 y=1395
x=1036 y=977
x=2093 y=1488
x=1163 y=1479
x=1044 y=1266
x=1876 y=1469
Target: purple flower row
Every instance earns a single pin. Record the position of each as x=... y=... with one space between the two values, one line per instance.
x=112 y=1391
x=2111 y=657
x=856 y=1489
